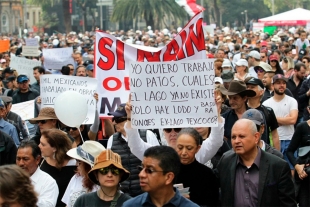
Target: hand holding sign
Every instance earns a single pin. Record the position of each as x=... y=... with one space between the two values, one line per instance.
x=71 y=108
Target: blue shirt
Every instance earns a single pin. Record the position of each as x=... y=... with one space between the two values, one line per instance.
x=10 y=129
x=144 y=200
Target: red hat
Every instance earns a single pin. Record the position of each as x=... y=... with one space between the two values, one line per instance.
x=210 y=55
x=263 y=43
x=273 y=57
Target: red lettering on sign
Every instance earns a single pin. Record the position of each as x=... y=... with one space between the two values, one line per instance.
x=181 y=54
x=106 y=81
x=171 y=47
x=196 y=39
x=105 y=65
x=120 y=55
x=126 y=82
x=149 y=56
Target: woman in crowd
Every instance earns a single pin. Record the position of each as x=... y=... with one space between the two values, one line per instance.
x=16 y=189
x=108 y=173
x=288 y=66
x=80 y=183
x=11 y=85
x=275 y=65
x=241 y=70
x=54 y=145
x=202 y=183
x=301 y=139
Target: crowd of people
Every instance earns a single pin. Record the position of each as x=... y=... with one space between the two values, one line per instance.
x=258 y=155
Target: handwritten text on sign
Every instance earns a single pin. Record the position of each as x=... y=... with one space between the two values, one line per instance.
x=53 y=85
x=57 y=57
x=172 y=94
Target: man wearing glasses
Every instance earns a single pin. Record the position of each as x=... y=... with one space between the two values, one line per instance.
x=118 y=143
x=24 y=93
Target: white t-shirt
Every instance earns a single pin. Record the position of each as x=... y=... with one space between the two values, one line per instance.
x=300 y=44
x=46 y=187
x=282 y=109
x=75 y=189
x=252 y=72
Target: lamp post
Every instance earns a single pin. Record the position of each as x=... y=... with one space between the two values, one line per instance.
x=100 y=4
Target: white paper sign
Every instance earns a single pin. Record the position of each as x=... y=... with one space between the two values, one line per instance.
x=25 y=109
x=32 y=42
x=31 y=51
x=57 y=57
x=24 y=66
x=208 y=29
x=173 y=94
x=258 y=26
x=53 y=85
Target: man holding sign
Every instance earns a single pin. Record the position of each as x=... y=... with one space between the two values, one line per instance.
x=24 y=93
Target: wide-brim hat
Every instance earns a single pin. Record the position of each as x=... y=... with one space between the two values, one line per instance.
x=105 y=159
x=237 y=87
x=87 y=152
x=46 y=113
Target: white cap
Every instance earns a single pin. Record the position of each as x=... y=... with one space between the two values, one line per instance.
x=226 y=63
x=218 y=79
x=242 y=62
x=254 y=54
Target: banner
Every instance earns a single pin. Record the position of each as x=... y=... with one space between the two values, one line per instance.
x=24 y=66
x=25 y=109
x=31 y=42
x=172 y=94
x=53 y=85
x=31 y=51
x=113 y=57
x=57 y=57
x=4 y=45
x=190 y=6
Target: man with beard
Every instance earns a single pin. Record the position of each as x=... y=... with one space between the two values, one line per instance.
x=286 y=111
x=294 y=83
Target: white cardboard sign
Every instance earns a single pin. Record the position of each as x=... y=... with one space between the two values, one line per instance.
x=24 y=66
x=57 y=57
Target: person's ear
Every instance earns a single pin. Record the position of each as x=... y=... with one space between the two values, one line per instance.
x=169 y=178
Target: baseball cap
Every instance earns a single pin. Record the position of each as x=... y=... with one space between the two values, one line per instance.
x=119 y=112
x=254 y=115
x=254 y=81
x=242 y=62
x=11 y=78
x=87 y=62
x=254 y=54
x=218 y=79
x=302 y=52
x=3 y=61
x=22 y=78
x=278 y=77
x=226 y=63
x=273 y=57
x=90 y=67
x=6 y=99
x=263 y=43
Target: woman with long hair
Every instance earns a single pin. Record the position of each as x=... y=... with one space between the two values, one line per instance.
x=275 y=65
x=80 y=183
x=54 y=144
x=16 y=189
x=108 y=173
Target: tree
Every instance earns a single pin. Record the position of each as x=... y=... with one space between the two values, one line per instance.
x=149 y=10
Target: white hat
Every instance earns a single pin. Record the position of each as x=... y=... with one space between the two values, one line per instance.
x=254 y=54
x=87 y=152
x=276 y=38
x=218 y=79
x=291 y=38
x=242 y=62
x=226 y=63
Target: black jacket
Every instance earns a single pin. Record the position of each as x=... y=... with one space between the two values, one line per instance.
x=8 y=149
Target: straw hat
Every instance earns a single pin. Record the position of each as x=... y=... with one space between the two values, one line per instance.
x=87 y=152
x=46 y=113
x=105 y=159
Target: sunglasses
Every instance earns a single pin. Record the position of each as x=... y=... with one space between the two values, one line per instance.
x=69 y=128
x=105 y=170
x=168 y=130
x=119 y=119
x=260 y=70
x=147 y=170
x=42 y=121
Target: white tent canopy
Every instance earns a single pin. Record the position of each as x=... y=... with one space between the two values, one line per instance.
x=297 y=16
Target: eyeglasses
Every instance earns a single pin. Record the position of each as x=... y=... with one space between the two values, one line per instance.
x=147 y=170
x=260 y=70
x=105 y=170
x=69 y=128
x=42 y=121
x=168 y=130
x=119 y=119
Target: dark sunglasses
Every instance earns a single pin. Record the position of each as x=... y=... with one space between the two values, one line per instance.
x=119 y=119
x=147 y=170
x=260 y=70
x=42 y=121
x=69 y=128
x=105 y=170
x=168 y=130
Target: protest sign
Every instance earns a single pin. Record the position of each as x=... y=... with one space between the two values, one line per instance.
x=113 y=57
x=172 y=94
x=258 y=27
x=208 y=29
x=4 y=45
x=24 y=66
x=25 y=109
x=53 y=85
x=57 y=57
x=31 y=51
x=32 y=42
